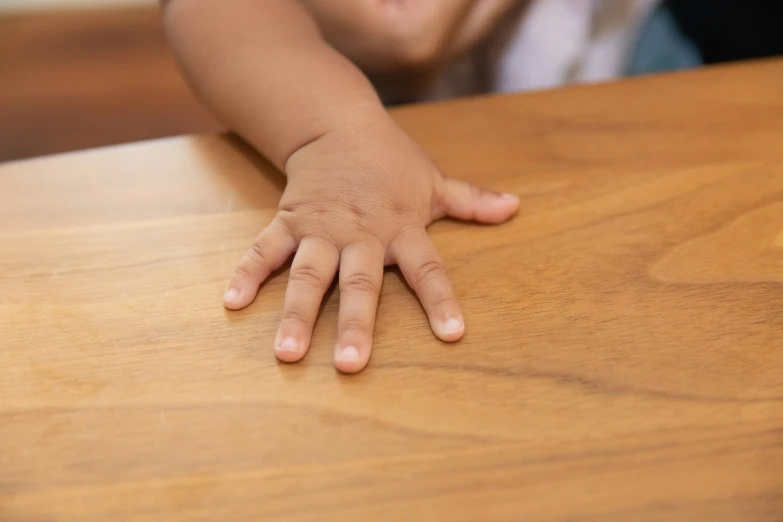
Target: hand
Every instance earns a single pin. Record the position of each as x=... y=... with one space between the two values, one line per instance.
x=358 y=198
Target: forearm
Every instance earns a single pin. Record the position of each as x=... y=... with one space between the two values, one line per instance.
x=265 y=71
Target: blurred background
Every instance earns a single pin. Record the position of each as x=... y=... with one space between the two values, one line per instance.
x=85 y=73
x=76 y=74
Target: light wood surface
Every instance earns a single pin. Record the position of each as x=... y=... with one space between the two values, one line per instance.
x=624 y=354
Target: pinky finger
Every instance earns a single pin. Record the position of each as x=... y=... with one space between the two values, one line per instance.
x=270 y=250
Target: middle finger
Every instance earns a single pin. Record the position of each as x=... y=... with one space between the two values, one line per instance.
x=361 y=277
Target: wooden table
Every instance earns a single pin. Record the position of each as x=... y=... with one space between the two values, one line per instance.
x=624 y=355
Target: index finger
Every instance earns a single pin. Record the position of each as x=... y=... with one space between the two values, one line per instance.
x=424 y=271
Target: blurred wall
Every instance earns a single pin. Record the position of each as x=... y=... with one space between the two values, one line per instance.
x=88 y=73
x=27 y=5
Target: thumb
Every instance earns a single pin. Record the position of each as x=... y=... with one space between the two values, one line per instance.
x=469 y=202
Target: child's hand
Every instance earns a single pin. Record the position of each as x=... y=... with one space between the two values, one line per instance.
x=358 y=198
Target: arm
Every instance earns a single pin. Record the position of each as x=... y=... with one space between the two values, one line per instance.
x=263 y=68
x=360 y=192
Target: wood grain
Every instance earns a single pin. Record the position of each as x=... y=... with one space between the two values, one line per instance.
x=624 y=355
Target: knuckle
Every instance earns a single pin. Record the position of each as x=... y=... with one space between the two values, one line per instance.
x=429 y=271
x=290 y=210
x=399 y=208
x=408 y=230
x=243 y=269
x=296 y=314
x=444 y=299
x=406 y=234
x=310 y=275
x=320 y=211
x=354 y=324
x=260 y=252
x=356 y=211
x=359 y=282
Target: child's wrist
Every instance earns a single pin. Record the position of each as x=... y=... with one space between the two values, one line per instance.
x=357 y=119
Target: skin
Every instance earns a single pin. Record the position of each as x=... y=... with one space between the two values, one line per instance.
x=360 y=192
x=397 y=36
x=402 y=44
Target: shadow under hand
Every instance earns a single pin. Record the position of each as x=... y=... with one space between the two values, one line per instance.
x=240 y=178
x=257 y=160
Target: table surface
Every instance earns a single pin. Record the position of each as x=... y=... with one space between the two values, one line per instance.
x=624 y=354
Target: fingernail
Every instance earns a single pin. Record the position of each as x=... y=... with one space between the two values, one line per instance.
x=453 y=326
x=349 y=353
x=288 y=344
x=230 y=295
x=511 y=197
